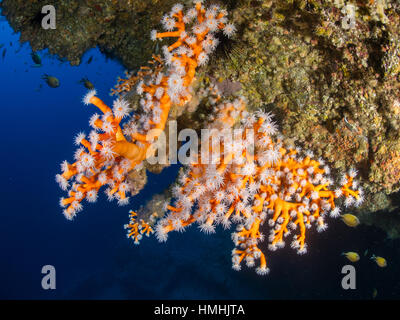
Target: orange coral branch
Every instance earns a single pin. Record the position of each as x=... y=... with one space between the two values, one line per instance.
x=274 y=186
x=107 y=157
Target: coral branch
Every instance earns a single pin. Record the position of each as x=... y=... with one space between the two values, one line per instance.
x=107 y=157
x=274 y=185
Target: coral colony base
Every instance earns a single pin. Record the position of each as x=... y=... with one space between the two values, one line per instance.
x=267 y=186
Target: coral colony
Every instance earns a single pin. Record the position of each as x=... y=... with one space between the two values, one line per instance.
x=105 y=158
x=276 y=186
x=253 y=181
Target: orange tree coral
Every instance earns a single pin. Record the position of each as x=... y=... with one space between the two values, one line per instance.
x=109 y=152
x=257 y=183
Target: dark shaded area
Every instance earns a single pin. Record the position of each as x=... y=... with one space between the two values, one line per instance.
x=116 y=27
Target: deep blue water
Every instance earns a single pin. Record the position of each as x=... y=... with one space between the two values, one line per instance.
x=92 y=257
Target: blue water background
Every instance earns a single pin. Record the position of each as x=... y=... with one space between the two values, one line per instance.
x=92 y=256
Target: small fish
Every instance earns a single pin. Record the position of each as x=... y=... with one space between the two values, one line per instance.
x=374 y=293
x=39 y=88
x=381 y=262
x=87 y=83
x=89 y=60
x=351 y=256
x=365 y=252
x=36 y=59
x=350 y=220
x=60 y=59
x=10 y=44
x=51 y=81
x=1 y=45
x=4 y=53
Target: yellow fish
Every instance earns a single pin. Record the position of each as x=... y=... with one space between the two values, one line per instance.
x=374 y=293
x=352 y=256
x=381 y=262
x=350 y=220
